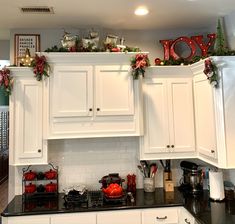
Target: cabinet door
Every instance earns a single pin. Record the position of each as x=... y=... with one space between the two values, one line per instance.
x=71 y=90
x=81 y=218
x=114 y=91
x=204 y=116
x=160 y=215
x=28 y=220
x=181 y=115
x=26 y=122
x=156 y=138
x=185 y=217
x=118 y=217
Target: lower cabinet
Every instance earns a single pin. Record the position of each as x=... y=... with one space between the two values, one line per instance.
x=160 y=215
x=118 y=217
x=74 y=218
x=185 y=217
x=169 y=215
x=33 y=219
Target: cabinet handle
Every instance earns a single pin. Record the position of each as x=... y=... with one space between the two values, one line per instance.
x=212 y=151
x=172 y=146
x=90 y=109
x=168 y=146
x=186 y=220
x=98 y=109
x=161 y=218
x=39 y=150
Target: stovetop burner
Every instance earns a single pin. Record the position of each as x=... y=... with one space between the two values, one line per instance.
x=91 y=199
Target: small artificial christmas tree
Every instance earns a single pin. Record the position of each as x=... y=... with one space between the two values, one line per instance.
x=220 y=47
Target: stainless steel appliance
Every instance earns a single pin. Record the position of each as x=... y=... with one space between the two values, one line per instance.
x=191 y=181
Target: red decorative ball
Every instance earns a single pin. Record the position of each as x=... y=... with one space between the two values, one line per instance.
x=157 y=61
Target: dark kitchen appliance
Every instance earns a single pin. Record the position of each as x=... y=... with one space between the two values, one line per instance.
x=191 y=181
x=112 y=178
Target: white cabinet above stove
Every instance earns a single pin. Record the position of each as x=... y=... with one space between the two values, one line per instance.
x=93 y=95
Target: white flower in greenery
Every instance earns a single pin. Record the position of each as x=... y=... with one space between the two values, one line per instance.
x=209 y=75
x=214 y=83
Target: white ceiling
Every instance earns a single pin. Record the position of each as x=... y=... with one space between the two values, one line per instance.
x=115 y=14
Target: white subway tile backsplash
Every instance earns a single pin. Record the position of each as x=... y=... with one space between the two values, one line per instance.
x=86 y=161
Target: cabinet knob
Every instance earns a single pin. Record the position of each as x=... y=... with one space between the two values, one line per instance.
x=39 y=150
x=172 y=146
x=212 y=151
x=186 y=220
x=98 y=109
x=168 y=146
x=90 y=109
x=161 y=218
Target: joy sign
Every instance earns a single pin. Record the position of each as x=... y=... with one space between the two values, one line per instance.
x=192 y=43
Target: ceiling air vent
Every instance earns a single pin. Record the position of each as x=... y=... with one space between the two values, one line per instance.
x=37 y=10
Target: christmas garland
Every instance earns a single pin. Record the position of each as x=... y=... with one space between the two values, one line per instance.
x=211 y=72
x=40 y=67
x=6 y=81
x=138 y=65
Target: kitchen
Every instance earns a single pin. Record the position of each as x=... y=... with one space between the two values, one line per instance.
x=95 y=157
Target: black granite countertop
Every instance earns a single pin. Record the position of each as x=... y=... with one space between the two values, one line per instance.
x=204 y=210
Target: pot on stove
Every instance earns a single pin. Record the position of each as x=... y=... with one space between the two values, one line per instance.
x=112 y=178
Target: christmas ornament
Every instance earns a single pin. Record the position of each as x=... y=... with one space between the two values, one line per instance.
x=210 y=71
x=157 y=61
x=6 y=81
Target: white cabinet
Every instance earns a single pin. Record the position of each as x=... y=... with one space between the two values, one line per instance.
x=185 y=217
x=168 y=114
x=160 y=215
x=74 y=218
x=94 y=96
x=215 y=109
x=33 y=219
x=117 y=217
x=26 y=119
x=204 y=117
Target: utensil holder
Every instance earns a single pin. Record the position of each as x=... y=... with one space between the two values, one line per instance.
x=149 y=184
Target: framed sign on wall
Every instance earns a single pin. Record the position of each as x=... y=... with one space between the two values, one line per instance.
x=24 y=41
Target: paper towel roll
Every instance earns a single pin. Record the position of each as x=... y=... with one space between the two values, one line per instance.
x=216 y=185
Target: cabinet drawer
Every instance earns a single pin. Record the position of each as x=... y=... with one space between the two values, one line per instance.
x=160 y=215
x=78 y=218
x=185 y=217
x=29 y=220
x=119 y=217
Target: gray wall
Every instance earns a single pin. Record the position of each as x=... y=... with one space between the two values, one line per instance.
x=4 y=49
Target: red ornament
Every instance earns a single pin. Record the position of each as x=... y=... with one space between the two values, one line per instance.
x=186 y=40
x=204 y=47
x=157 y=61
x=166 y=45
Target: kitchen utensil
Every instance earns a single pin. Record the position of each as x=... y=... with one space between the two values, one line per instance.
x=30 y=175
x=40 y=188
x=51 y=187
x=145 y=166
x=111 y=178
x=51 y=174
x=113 y=191
x=31 y=188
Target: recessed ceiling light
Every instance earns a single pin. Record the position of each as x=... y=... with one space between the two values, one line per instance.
x=141 y=11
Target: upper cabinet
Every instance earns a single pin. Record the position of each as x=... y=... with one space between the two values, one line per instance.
x=26 y=119
x=93 y=95
x=168 y=114
x=215 y=109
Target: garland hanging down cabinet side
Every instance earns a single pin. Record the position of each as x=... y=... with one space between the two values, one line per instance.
x=26 y=144
x=168 y=114
x=215 y=109
x=93 y=95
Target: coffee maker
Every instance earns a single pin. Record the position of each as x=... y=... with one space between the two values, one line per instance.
x=191 y=182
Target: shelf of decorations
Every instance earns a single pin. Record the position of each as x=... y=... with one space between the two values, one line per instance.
x=41 y=185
